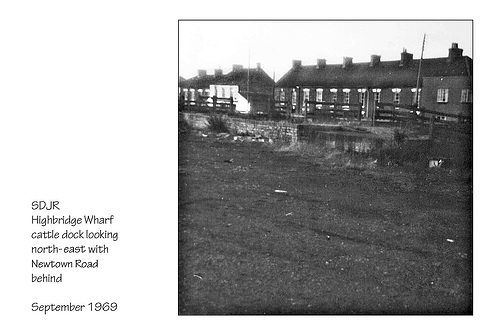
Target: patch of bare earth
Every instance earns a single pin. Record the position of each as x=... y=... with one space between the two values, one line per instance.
x=275 y=231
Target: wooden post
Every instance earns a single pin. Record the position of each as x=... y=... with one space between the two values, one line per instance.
x=374 y=113
x=231 y=106
x=431 y=128
x=214 y=106
x=422 y=119
x=306 y=107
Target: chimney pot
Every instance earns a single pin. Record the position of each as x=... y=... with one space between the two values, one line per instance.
x=375 y=60
x=321 y=63
x=454 y=52
x=405 y=58
x=237 y=68
x=347 y=62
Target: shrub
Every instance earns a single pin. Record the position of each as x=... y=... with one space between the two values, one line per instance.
x=217 y=124
x=399 y=137
x=183 y=125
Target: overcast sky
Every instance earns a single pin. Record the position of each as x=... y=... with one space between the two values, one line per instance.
x=220 y=44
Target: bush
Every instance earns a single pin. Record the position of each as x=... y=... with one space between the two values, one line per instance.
x=183 y=125
x=217 y=124
x=399 y=137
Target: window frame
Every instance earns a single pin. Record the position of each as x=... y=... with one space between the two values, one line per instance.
x=362 y=96
x=319 y=94
x=306 y=94
x=442 y=95
x=468 y=96
x=396 y=97
x=377 y=95
x=346 y=96
x=414 y=95
x=334 y=95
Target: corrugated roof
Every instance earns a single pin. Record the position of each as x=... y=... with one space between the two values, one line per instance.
x=387 y=74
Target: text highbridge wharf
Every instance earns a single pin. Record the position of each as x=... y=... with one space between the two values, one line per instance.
x=69 y=220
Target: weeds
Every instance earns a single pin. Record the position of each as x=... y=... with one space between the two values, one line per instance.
x=399 y=137
x=183 y=125
x=329 y=157
x=217 y=124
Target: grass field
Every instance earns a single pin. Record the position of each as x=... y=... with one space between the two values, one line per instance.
x=272 y=229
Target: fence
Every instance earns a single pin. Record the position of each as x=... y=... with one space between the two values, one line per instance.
x=331 y=111
x=387 y=113
x=409 y=113
x=207 y=104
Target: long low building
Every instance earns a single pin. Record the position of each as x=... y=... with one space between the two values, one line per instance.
x=444 y=84
x=250 y=88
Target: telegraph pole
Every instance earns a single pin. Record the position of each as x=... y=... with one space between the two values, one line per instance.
x=419 y=70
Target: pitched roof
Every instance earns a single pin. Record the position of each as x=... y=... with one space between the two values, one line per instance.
x=235 y=77
x=386 y=74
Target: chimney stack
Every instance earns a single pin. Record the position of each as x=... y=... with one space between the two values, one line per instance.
x=237 y=68
x=454 y=53
x=347 y=62
x=296 y=64
x=375 y=60
x=202 y=72
x=258 y=65
x=218 y=72
x=321 y=63
x=405 y=58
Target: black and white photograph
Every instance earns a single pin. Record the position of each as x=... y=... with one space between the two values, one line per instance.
x=257 y=166
x=325 y=167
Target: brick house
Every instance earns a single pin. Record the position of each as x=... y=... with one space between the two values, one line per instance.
x=251 y=88
x=445 y=84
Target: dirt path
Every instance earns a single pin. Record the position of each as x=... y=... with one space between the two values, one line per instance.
x=338 y=241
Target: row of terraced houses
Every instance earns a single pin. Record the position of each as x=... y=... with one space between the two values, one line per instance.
x=444 y=84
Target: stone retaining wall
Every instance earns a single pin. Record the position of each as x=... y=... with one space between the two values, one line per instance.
x=276 y=130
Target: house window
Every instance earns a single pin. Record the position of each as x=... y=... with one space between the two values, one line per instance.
x=226 y=92
x=397 y=95
x=294 y=97
x=306 y=96
x=333 y=95
x=218 y=91
x=192 y=94
x=376 y=95
x=414 y=96
x=282 y=94
x=234 y=91
x=466 y=96
x=442 y=96
x=346 y=95
x=319 y=95
x=186 y=94
x=362 y=96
